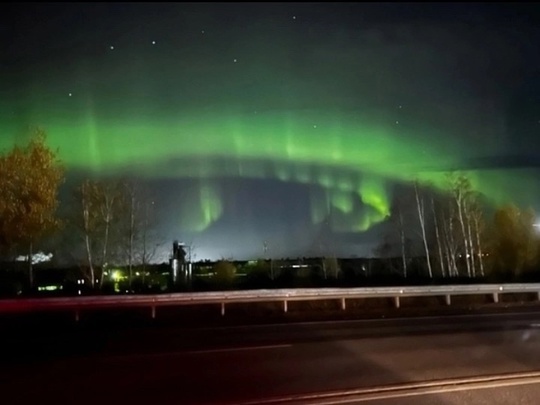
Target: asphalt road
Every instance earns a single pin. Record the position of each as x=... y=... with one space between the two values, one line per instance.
x=167 y=364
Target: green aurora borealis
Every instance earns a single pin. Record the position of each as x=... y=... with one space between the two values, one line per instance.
x=348 y=159
x=345 y=113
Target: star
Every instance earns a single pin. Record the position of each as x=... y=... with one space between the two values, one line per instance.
x=400 y=106
x=112 y=47
x=153 y=42
x=397 y=122
x=294 y=17
x=69 y=95
x=235 y=60
x=202 y=32
x=314 y=126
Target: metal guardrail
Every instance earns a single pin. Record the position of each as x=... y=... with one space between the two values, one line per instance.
x=77 y=304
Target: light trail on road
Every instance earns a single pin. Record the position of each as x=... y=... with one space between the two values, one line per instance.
x=405 y=390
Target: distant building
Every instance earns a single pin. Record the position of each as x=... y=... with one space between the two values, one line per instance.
x=180 y=268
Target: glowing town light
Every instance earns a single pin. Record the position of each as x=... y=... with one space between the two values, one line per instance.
x=39 y=257
x=116 y=275
x=49 y=288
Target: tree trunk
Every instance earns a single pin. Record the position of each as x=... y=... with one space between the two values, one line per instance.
x=90 y=264
x=459 y=201
x=104 y=256
x=144 y=258
x=471 y=246
x=131 y=234
x=421 y=217
x=402 y=235
x=437 y=236
x=85 y=190
x=453 y=245
x=478 y=243
x=30 y=266
x=450 y=243
x=107 y=212
x=447 y=247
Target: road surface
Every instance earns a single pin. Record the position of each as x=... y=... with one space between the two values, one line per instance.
x=169 y=364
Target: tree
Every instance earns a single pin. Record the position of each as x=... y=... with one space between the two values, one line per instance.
x=30 y=177
x=259 y=273
x=438 y=237
x=422 y=220
x=448 y=219
x=110 y=207
x=103 y=205
x=136 y=223
x=147 y=251
x=384 y=252
x=477 y=217
x=331 y=265
x=460 y=187
x=88 y=197
x=398 y=218
x=402 y=242
x=514 y=248
x=224 y=272
x=131 y=223
x=268 y=257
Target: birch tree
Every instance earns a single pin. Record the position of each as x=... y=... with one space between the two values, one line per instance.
x=87 y=194
x=112 y=205
x=403 y=242
x=449 y=239
x=422 y=219
x=102 y=205
x=147 y=251
x=460 y=188
x=438 y=237
x=398 y=221
x=131 y=223
x=477 y=219
x=137 y=224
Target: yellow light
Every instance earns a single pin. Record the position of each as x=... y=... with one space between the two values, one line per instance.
x=49 y=288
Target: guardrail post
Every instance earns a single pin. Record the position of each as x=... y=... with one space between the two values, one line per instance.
x=153 y=312
x=76 y=315
x=284 y=305
x=495 y=297
x=396 y=301
x=448 y=299
x=343 y=305
x=222 y=309
x=538 y=295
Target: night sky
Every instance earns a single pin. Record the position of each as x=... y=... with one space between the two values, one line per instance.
x=290 y=124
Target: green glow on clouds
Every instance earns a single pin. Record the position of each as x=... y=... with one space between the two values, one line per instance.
x=374 y=194
x=349 y=155
x=200 y=207
x=343 y=201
